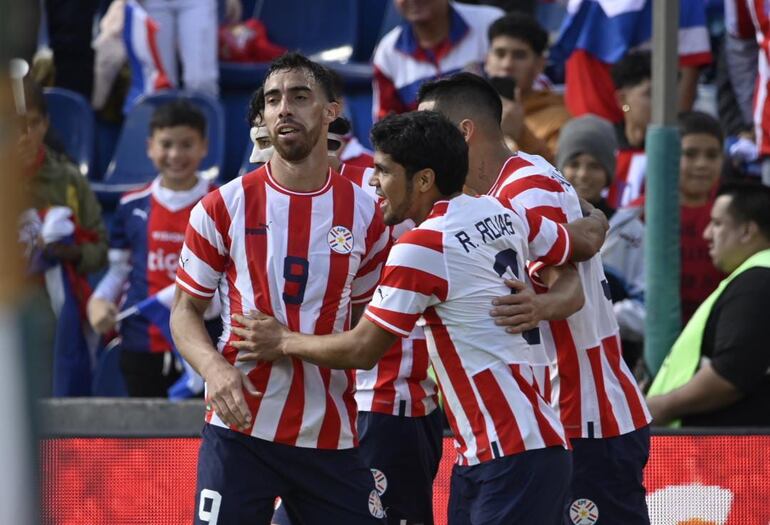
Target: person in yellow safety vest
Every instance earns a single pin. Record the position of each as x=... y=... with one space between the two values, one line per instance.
x=717 y=372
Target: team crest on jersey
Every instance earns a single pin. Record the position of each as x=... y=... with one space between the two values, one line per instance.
x=583 y=512
x=380 y=481
x=375 y=505
x=340 y=240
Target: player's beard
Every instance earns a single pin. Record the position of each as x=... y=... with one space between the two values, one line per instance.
x=396 y=214
x=299 y=149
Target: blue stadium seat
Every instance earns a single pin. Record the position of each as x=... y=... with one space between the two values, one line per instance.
x=72 y=119
x=131 y=168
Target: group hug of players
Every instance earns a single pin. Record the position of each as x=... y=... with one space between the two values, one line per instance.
x=319 y=391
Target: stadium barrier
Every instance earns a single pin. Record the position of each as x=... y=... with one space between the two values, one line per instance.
x=122 y=461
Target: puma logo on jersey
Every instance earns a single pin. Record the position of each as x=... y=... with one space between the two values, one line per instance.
x=142 y=214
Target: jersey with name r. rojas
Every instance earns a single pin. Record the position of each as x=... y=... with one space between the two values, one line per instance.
x=445 y=273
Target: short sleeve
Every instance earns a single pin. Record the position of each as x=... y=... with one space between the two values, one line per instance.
x=740 y=353
x=547 y=240
x=204 y=255
x=413 y=280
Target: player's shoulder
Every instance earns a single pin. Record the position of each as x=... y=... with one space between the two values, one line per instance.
x=423 y=236
x=357 y=179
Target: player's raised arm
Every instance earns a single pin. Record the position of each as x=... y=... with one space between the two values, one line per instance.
x=264 y=339
x=587 y=235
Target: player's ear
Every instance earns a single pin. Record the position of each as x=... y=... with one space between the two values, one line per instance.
x=467 y=127
x=424 y=180
x=331 y=112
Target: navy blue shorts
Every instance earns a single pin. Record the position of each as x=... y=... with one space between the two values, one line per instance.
x=607 y=485
x=404 y=455
x=240 y=476
x=526 y=488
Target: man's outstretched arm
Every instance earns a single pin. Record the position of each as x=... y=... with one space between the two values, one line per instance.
x=265 y=339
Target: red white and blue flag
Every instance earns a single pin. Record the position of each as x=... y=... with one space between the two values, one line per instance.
x=157 y=310
x=597 y=33
x=139 y=35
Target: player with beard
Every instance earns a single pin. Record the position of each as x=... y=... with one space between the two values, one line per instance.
x=297 y=241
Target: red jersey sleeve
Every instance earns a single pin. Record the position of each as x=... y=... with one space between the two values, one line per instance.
x=377 y=247
x=414 y=279
x=204 y=255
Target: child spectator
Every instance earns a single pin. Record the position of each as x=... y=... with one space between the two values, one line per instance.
x=699 y=169
x=53 y=180
x=145 y=241
x=586 y=157
x=517 y=46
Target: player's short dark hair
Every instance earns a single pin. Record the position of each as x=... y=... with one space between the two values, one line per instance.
x=256 y=105
x=463 y=95
x=750 y=203
x=421 y=140
x=692 y=122
x=293 y=61
x=178 y=113
x=632 y=69
x=34 y=98
x=521 y=26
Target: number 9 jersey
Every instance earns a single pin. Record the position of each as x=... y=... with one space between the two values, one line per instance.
x=444 y=274
x=303 y=258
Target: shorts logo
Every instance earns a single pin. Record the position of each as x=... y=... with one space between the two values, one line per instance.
x=583 y=512
x=375 y=505
x=340 y=240
x=380 y=481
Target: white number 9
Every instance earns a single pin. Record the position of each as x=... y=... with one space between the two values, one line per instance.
x=209 y=516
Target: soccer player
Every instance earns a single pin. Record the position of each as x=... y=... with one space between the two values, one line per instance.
x=602 y=409
x=513 y=466
x=145 y=240
x=399 y=422
x=295 y=240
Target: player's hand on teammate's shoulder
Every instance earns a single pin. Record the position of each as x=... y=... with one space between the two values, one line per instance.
x=263 y=337
x=225 y=386
x=519 y=311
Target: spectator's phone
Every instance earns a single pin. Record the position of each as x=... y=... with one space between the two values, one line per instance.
x=505 y=86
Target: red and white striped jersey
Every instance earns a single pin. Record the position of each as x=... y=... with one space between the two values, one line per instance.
x=591 y=386
x=760 y=16
x=443 y=275
x=399 y=384
x=302 y=258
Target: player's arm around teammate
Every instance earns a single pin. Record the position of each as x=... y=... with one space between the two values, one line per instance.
x=225 y=384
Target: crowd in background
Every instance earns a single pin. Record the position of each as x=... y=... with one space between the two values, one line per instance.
x=584 y=107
